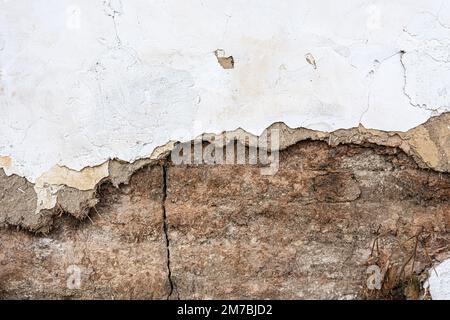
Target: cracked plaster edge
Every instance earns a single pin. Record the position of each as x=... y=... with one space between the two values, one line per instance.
x=428 y=144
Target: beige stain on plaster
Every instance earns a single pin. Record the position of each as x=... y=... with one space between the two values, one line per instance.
x=421 y=142
x=252 y=77
x=5 y=162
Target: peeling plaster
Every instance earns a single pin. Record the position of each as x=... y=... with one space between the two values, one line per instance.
x=76 y=192
x=94 y=88
x=48 y=185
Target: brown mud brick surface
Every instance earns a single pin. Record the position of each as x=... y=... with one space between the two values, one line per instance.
x=120 y=250
x=309 y=231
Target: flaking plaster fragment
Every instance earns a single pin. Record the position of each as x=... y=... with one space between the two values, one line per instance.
x=48 y=185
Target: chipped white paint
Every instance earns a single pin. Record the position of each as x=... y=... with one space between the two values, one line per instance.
x=439 y=281
x=83 y=81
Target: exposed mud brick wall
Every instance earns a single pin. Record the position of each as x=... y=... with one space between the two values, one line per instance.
x=310 y=231
x=120 y=249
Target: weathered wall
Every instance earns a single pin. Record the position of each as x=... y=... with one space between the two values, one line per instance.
x=85 y=81
x=309 y=231
x=92 y=92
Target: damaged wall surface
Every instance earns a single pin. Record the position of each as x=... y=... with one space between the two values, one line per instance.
x=95 y=96
x=310 y=231
x=86 y=81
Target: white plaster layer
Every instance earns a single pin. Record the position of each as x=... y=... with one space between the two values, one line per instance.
x=439 y=281
x=83 y=81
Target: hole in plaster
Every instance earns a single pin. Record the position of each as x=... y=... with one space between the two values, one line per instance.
x=225 y=62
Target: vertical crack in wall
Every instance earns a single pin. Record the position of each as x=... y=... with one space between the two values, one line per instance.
x=114 y=9
x=165 y=228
